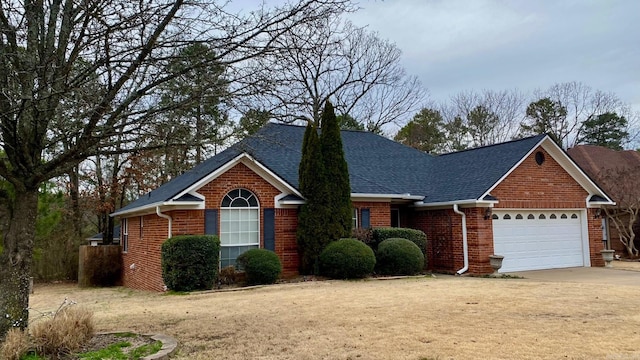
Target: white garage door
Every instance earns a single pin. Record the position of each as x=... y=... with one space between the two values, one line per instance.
x=534 y=240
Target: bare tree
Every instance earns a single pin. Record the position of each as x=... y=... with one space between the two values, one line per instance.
x=50 y=49
x=488 y=117
x=624 y=185
x=333 y=59
x=582 y=102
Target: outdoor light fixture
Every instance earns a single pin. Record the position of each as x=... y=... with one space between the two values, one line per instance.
x=487 y=213
x=598 y=213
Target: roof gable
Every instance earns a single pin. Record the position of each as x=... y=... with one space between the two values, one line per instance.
x=377 y=166
x=468 y=174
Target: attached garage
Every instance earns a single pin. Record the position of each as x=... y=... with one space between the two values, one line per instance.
x=535 y=239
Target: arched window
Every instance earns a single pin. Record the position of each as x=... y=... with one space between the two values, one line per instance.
x=519 y=217
x=239 y=225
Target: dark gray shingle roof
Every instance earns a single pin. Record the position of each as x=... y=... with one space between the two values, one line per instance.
x=377 y=165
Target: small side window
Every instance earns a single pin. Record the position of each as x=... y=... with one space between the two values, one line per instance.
x=574 y=216
x=495 y=217
x=125 y=235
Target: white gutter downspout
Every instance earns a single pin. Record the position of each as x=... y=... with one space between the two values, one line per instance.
x=465 y=248
x=168 y=218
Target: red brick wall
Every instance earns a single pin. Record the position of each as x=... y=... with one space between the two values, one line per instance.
x=545 y=186
x=380 y=212
x=141 y=264
x=145 y=252
x=548 y=186
x=595 y=238
x=534 y=186
x=444 y=235
x=479 y=241
x=286 y=245
x=444 y=238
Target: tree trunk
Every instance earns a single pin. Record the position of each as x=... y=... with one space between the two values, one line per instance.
x=16 y=261
x=74 y=194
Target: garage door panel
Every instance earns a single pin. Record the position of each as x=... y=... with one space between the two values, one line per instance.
x=538 y=243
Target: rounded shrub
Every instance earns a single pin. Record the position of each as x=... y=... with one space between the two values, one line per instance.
x=347 y=259
x=397 y=256
x=261 y=266
x=415 y=236
x=190 y=262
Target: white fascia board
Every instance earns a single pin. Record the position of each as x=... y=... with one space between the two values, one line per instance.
x=140 y=209
x=597 y=204
x=513 y=168
x=168 y=206
x=252 y=164
x=277 y=200
x=276 y=180
x=386 y=196
x=561 y=157
x=574 y=170
x=462 y=203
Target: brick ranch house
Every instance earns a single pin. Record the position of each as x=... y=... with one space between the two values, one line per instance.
x=524 y=199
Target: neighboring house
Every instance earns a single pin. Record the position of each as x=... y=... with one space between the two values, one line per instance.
x=597 y=161
x=524 y=199
x=96 y=239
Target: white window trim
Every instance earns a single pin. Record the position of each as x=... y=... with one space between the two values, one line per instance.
x=125 y=235
x=223 y=209
x=355 y=218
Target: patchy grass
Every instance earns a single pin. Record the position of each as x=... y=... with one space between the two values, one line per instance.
x=145 y=350
x=443 y=318
x=113 y=352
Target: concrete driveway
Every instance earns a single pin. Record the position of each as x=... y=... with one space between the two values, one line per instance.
x=587 y=275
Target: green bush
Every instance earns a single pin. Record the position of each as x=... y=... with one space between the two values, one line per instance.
x=415 y=236
x=190 y=262
x=399 y=257
x=347 y=259
x=261 y=266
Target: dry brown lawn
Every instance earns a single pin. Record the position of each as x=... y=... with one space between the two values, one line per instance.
x=627 y=265
x=415 y=318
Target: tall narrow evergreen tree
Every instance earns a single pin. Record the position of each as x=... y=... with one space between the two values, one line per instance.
x=336 y=173
x=311 y=230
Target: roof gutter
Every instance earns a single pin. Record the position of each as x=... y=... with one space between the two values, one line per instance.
x=166 y=217
x=474 y=202
x=405 y=196
x=465 y=247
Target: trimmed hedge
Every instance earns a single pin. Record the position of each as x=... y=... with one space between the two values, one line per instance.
x=261 y=266
x=190 y=262
x=347 y=259
x=416 y=236
x=399 y=257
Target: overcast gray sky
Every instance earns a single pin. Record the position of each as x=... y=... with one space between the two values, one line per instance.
x=455 y=45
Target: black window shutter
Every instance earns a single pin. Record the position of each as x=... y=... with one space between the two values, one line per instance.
x=211 y=221
x=365 y=214
x=269 y=228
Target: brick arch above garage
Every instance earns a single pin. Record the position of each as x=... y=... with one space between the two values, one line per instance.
x=539 y=186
